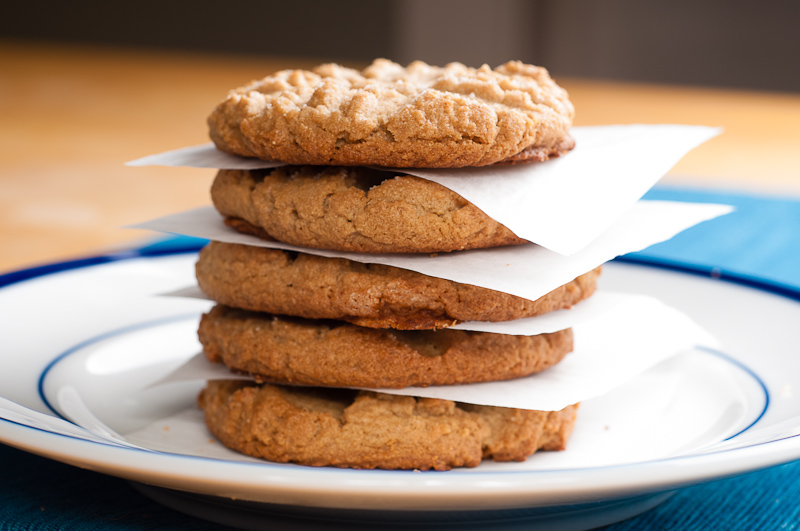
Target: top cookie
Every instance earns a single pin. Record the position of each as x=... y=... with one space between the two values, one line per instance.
x=388 y=115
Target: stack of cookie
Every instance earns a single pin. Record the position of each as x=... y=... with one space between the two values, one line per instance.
x=308 y=328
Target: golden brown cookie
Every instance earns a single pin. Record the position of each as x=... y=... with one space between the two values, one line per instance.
x=354 y=209
x=388 y=115
x=372 y=295
x=337 y=354
x=360 y=429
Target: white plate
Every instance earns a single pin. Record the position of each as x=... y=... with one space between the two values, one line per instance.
x=98 y=333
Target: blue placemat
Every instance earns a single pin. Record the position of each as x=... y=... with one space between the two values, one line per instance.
x=760 y=240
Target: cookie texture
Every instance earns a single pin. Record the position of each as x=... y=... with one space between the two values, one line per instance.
x=394 y=116
x=371 y=295
x=354 y=209
x=361 y=429
x=334 y=353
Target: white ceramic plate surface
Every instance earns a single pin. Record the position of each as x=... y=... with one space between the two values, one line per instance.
x=100 y=334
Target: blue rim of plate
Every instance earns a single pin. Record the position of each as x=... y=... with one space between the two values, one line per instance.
x=187 y=245
x=178 y=245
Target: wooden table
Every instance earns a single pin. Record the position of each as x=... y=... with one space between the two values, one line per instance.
x=69 y=118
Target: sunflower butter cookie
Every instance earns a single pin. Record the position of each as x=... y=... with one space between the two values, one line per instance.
x=354 y=209
x=337 y=354
x=372 y=295
x=394 y=116
x=360 y=429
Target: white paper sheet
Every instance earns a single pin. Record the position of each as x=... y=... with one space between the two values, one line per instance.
x=562 y=204
x=614 y=347
x=599 y=304
x=203 y=156
x=528 y=271
x=609 y=351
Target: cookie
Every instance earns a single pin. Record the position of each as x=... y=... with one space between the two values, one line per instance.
x=337 y=354
x=372 y=295
x=360 y=429
x=354 y=209
x=388 y=115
